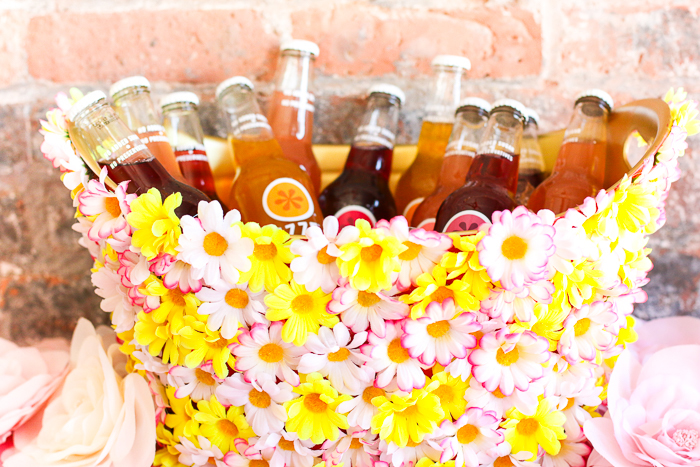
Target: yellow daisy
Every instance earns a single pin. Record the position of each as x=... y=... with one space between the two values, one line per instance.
x=457 y=263
x=576 y=288
x=303 y=311
x=370 y=261
x=428 y=462
x=451 y=392
x=167 y=457
x=314 y=415
x=206 y=345
x=157 y=228
x=158 y=337
x=181 y=420
x=527 y=432
x=222 y=426
x=174 y=304
x=270 y=259
x=408 y=418
x=433 y=287
x=548 y=323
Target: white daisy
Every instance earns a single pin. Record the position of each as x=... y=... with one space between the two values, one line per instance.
x=147 y=362
x=570 y=240
x=505 y=304
x=572 y=407
x=291 y=451
x=525 y=401
x=360 y=409
x=409 y=456
x=194 y=456
x=109 y=208
x=231 y=306
x=213 y=245
x=390 y=359
x=332 y=354
x=356 y=449
x=175 y=273
x=115 y=298
x=573 y=453
x=585 y=333
x=460 y=367
x=198 y=383
x=248 y=454
x=471 y=437
x=502 y=456
x=568 y=380
x=83 y=226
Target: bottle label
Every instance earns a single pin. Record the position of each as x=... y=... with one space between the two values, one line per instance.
x=122 y=151
x=410 y=209
x=427 y=224
x=285 y=199
x=351 y=214
x=465 y=221
x=152 y=134
x=249 y=121
x=299 y=100
x=190 y=153
x=376 y=134
x=531 y=159
x=497 y=148
x=461 y=148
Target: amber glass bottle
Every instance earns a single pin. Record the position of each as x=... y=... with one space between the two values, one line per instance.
x=531 y=169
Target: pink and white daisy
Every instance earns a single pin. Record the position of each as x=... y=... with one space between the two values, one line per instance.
x=133 y=267
x=109 y=208
x=262 y=400
x=517 y=247
x=291 y=451
x=569 y=380
x=75 y=175
x=194 y=456
x=175 y=273
x=505 y=304
x=503 y=456
x=356 y=449
x=57 y=146
x=248 y=453
x=262 y=350
x=460 y=367
x=332 y=354
x=394 y=456
x=509 y=360
x=424 y=249
x=573 y=453
x=471 y=437
x=525 y=401
x=231 y=306
x=197 y=383
x=390 y=359
x=572 y=407
x=115 y=298
x=585 y=332
x=361 y=310
x=360 y=409
x=438 y=335
x=83 y=226
x=121 y=241
x=147 y=362
x=570 y=240
x=213 y=245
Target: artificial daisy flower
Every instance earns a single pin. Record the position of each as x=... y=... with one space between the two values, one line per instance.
x=213 y=245
x=262 y=350
x=75 y=176
x=357 y=449
x=570 y=240
x=585 y=332
x=250 y=455
x=262 y=400
x=460 y=367
x=360 y=409
x=115 y=298
x=161 y=337
x=517 y=248
x=573 y=406
x=180 y=417
x=434 y=288
x=304 y=312
x=440 y=334
x=57 y=146
x=508 y=360
x=314 y=415
x=389 y=358
x=83 y=226
x=198 y=456
x=407 y=417
x=451 y=393
x=425 y=462
x=270 y=257
x=133 y=267
x=332 y=354
x=519 y=303
x=466 y=257
x=573 y=453
x=392 y=454
x=424 y=249
x=291 y=451
x=230 y=306
x=504 y=457
x=221 y=425
x=360 y=310
x=548 y=323
x=176 y=274
x=108 y=207
x=197 y=383
x=206 y=345
x=370 y=260
x=156 y=227
x=497 y=402
x=527 y=433
x=470 y=438
x=174 y=305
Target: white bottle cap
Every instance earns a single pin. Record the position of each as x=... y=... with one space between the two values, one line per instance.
x=477 y=102
x=82 y=104
x=130 y=82
x=236 y=80
x=388 y=89
x=532 y=115
x=184 y=97
x=599 y=93
x=512 y=103
x=301 y=45
x=452 y=60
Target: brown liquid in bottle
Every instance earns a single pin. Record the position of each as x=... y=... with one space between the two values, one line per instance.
x=195 y=167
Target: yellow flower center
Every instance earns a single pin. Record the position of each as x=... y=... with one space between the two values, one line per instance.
x=410 y=411
x=442 y=294
x=214 y=244
x=112 y=206
x=314 y=403
x=445 y=393
x=217 y=344
x=411 y=443
x=438 y=328
x=396 y=352
x=570 y=403
x=323 y=257
x=503 y=462
x=355 y=443
x=176 y=296
x=339 y=356
x=367 y=299
x=302 y=304
x=258 y=463
x=271 y=353
x=527 y=426
x=514 y=247
x=259 y=399
x=467 y=434
x=286 y=445
x=497 y=393
x=539 y=328
x=228 y=428
x=371 y=392
x=581 y=326
x=265 y=252
x=507 y=359
x=237 y=298
x=204 y=377
x=371 y=253
x=411 y=252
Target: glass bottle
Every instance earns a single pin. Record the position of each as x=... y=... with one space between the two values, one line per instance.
x=420 y=179
x=531 y=170
x=362 y=190
x=470 y=123
x=269 y=188
x=493 y=176
x=114 y=146
x=580 y=168
x=291 y=111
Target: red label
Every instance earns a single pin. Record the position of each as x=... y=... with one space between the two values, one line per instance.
x=465 y=221
x=351 y=214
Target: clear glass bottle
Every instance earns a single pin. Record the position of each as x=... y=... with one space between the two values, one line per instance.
x=531 y=170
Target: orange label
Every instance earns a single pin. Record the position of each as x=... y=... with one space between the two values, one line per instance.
x=285 y=199
x=411 y=209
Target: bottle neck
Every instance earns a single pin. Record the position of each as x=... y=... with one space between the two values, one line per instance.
x=531 y=159
x=135 y=107
x=182 y=125
x=585 y=134
x=467 y=132
x=295 y=74
x=293 y=102
x=445 y=94
x=244 y=121
x=380 y=121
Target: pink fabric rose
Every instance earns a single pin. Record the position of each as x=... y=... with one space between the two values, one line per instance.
x=653 y=416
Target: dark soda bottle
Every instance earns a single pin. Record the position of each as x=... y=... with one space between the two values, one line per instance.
x=113 y=145
x=531 y=170
x=470 y=123
x=362 y=190
x=580 y=168
x=184 y=130
x=493 y=176
x=291 y=111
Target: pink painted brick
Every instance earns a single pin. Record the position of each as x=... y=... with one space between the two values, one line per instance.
x=13 y=62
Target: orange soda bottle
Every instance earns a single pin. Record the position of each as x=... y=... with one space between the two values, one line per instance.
x=531 y=170
x=269 y=188
x=421 y=177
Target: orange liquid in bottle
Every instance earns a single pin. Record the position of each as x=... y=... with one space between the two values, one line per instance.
x=155 y=139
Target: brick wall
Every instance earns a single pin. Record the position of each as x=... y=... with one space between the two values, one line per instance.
x=539 y=51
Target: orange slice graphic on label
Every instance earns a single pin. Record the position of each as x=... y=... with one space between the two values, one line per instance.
x=285 y=199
